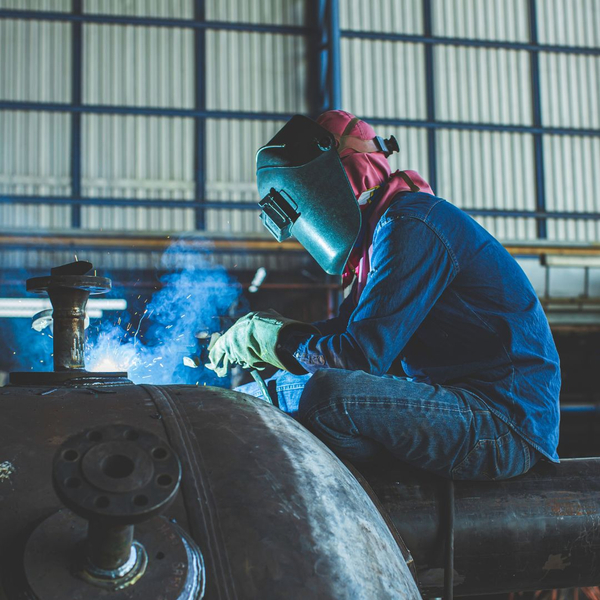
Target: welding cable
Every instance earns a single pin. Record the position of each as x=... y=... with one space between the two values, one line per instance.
x=449 y=555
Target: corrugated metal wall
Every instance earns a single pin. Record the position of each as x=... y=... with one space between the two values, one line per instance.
x=461 y=104
x=137 y=156
x=477 y=88
x=501 y=20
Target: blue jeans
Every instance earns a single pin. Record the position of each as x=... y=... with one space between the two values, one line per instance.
x=445 y=430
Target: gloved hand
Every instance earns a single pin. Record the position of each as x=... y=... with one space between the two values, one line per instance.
x=253 y=342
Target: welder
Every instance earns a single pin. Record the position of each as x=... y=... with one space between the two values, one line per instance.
x=441 y=354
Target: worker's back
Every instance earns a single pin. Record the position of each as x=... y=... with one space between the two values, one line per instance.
x=487 y=331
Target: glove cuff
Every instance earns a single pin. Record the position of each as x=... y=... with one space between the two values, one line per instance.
x=274 y=353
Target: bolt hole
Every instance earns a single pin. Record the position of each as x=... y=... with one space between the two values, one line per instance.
x=131 y=434
x=159 y=453
x=164 y=480
x=94 y=436
x=117 y=466
x=101 y=502
x=140 y=500
x=160 y=555
x=73 y=482
x=71 y=455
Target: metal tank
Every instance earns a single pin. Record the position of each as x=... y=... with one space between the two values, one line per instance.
x=115 y=490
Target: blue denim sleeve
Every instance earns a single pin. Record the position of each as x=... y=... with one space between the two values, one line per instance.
x=338 y=324
x=410 y=268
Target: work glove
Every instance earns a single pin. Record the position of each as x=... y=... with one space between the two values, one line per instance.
x=254 y=342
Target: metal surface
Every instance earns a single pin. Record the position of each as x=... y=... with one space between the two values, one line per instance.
x=174 y=567
x=117 y=475
x=537 y=531
x=264 y=500
x=113 y=476
x=578 y=193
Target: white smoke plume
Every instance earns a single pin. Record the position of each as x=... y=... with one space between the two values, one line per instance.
x=159 y=346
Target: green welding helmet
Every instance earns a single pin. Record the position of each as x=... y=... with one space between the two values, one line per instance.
x=305 y=193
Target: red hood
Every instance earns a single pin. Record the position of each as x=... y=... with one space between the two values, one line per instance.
x=365 y=172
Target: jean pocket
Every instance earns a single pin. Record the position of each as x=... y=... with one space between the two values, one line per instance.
x=500 y=458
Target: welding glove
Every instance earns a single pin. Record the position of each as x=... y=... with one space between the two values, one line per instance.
x=254 y=342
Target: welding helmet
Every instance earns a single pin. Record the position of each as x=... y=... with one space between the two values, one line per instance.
x=305 y=191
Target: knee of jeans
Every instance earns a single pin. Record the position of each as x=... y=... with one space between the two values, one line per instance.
x=249 y=388
x=321 y=390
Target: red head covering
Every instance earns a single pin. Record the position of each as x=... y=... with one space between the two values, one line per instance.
x=366 y=172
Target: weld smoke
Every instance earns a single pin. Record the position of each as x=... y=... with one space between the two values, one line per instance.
x=159 y=345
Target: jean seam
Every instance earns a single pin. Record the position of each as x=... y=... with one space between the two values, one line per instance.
x=334 y=407
x=377 y=400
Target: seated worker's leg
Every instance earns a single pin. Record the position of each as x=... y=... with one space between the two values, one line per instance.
x=288 y=388
x=443 y=430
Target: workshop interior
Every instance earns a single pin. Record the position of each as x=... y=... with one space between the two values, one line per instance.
x=134 y=233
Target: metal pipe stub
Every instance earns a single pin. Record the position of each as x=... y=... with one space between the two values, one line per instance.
x=114 y=477
x=69 y=288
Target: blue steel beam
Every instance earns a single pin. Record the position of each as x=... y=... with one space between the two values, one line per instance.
x=329 y=93
x=260 y=116
x=151 y=22
x=334 y=72
x=107 y=109
x=430 y=96
x=241 y=205
x=430 y=39
x=200 y=106
x=291 y=30
x=76 y=99
x=536 y=107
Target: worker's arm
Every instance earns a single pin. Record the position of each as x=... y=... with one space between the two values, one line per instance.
x=338 y=324
x=410 y=268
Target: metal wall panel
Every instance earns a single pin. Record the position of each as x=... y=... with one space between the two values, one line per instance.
x=36 y=61
x=572 y=185
x=482 y=85
x=256 y=72
x=506 y=20
x=138 y=66
x=489 y=170
x=389 y=16
x=53 y=5
x=106 y=261
x=34 y=159
x=383 y=79
x=572 y=23
x=137 y=157
x=176 y=9
x=272 y=12
x=231 y=172
x=413 y=148
x=570 y=90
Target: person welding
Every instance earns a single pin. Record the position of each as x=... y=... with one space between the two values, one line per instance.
x=432 y=290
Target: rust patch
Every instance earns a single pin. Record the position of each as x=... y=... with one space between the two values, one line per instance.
x=557 y=562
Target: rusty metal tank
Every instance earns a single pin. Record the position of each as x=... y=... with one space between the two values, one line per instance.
x=115 y=490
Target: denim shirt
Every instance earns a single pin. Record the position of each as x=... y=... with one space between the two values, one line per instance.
x=449 y=301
